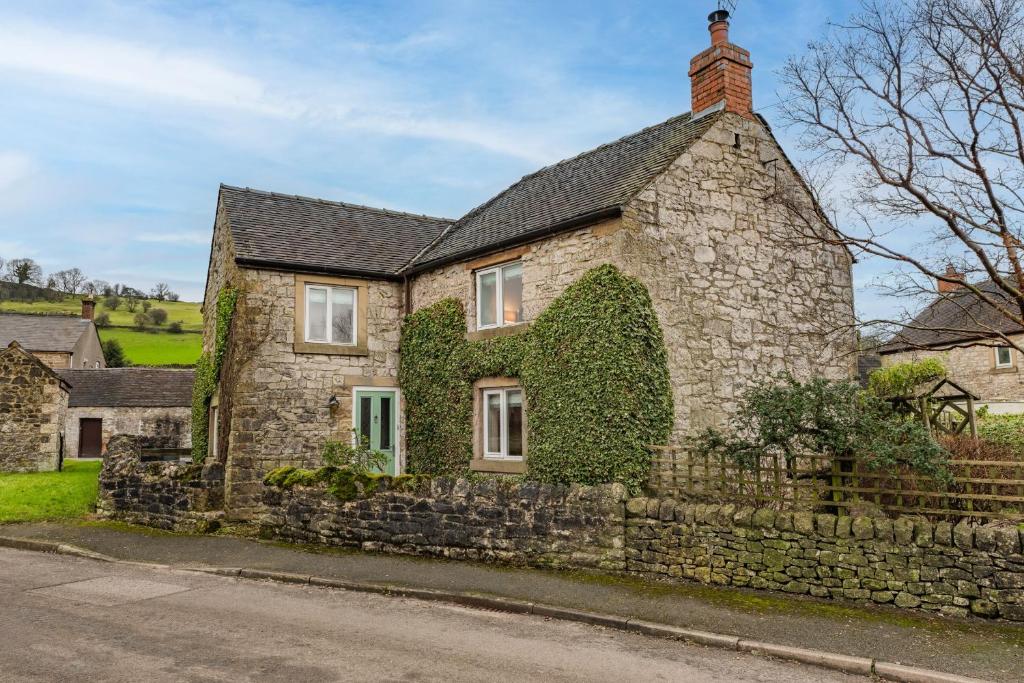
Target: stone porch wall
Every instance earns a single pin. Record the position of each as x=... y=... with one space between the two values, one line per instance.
x=490 y=520
x=908 y=562
x=170 y=496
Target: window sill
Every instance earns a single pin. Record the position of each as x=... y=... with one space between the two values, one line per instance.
x=498 y=466
x=492 y=332
x=1000 y=371
x=329 y=349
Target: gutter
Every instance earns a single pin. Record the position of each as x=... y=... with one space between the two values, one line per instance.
x=575 y=222
x=285 y=266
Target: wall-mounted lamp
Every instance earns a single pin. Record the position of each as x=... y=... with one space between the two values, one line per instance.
x=332 y=402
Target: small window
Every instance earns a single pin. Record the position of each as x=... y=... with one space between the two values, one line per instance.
x=1004 y=357
x=330 y=314
x=97 y=365
x=214 y=432
x=499 y=296
x=503 y=424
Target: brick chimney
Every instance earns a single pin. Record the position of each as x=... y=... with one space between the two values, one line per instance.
x=88 y=308
x=947 y=287
x=721 y=73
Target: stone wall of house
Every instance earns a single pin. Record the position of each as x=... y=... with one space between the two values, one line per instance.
x=158 y=427
x=549 y=266
x=54 y=359
x=490 y=520
x=739 y=293
x=33 y=409
x=975 y=368
x=171 y=496
x=908 y=562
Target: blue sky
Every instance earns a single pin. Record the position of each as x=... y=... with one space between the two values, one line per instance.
x=119 y=119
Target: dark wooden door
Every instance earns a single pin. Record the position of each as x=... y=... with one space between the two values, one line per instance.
x=90 y=437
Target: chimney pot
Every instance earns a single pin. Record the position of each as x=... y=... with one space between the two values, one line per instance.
x=88 y=308
x=719 y=27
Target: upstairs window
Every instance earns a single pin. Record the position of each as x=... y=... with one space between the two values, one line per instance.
x=499 y=296
x=1004 y=357
x=330 y=315
x=503 y=424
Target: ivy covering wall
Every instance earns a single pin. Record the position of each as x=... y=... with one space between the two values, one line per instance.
x=208 y=372
x=593 y=368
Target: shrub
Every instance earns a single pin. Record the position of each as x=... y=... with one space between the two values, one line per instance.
x=596 y=381
x=102 y=320
x=902 y=378
x=175 y=327
x=1003 y=430
x=158 y=316
x=783 y=417
x=141 y=320
x=146 y=305
x=358 y=458
x=113 y=354
x=112 y=302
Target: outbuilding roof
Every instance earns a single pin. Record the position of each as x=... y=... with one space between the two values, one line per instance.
x=51 y=333
x=288 y=231
x=129 y=387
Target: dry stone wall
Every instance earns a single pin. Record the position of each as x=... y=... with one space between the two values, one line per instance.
x=170 y=496
x=489 y=520
x=33 y=410
x=907 y=562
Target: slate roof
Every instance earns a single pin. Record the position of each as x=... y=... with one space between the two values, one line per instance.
x=600 y=180
x=953 y=318
x=53 y=333
x=288 y=231
x=129 y=387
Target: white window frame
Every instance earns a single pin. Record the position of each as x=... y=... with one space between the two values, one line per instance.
x=502 y=422
x=499 y=288
x=214 y=430
x=1007 y=364
x=330 y=315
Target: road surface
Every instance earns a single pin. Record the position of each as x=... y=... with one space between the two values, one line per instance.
x=65 y=618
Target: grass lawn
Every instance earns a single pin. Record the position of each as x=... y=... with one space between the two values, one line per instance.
x=185 y=311
x=49 y=495
x=156 y=348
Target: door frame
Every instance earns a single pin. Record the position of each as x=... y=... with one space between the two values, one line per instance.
x=397 y=393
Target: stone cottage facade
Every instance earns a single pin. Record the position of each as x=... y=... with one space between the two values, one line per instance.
x=154 y=404
x=687 y=206
x=60 y=341
x=33 y=409
x=959 y=329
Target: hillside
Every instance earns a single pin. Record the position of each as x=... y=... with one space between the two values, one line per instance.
x=153 y=346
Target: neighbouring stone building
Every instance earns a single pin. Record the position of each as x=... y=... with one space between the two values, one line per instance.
x=60 y=341
x=688 y=206
x=960 y=330
x=33 y=409
x=154 y=404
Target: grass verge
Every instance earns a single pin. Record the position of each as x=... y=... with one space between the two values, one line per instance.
x=37 y=496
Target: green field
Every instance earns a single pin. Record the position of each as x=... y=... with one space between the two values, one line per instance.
x=156 y=348
x=49 y=495
x=187 y=312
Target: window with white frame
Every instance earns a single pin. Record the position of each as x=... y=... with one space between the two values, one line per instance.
x=499 y=296
x=1004 y=357
x=503 y=424
x=330 y=314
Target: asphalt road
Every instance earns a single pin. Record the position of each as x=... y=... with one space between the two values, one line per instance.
x=71 y=619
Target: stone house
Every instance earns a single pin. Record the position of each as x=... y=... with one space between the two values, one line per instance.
x=960 y=329
x=685 y=205
x=152 y=403
x=33 y=409
x=60 y=341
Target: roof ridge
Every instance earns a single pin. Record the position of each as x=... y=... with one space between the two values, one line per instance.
x=335 y=202
x=475 y=210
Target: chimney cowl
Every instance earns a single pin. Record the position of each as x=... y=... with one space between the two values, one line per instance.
x=718 y=15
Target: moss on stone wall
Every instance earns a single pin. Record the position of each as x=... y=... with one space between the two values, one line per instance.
x=593 y=368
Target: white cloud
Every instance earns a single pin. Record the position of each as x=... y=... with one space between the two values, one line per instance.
x=14 y=168
x=187 y=237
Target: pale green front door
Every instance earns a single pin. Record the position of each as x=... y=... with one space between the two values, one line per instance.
x=375 y=422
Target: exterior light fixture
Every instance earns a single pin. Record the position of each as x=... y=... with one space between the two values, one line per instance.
x=332 y=402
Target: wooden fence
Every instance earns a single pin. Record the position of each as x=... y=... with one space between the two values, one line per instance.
x=980 y=488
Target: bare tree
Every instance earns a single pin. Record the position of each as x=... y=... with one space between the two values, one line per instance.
x=69 y=281
x=914 y=112
x=160 y=291
x=24 y=271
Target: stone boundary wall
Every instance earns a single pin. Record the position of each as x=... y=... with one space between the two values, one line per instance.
x=170 y=496
x=490 y=520
x=910 y=562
